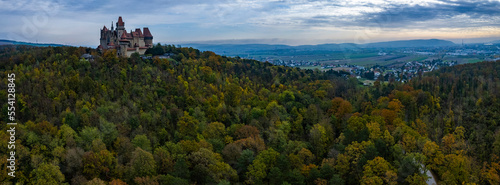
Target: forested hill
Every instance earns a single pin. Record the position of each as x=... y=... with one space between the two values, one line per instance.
x=201 y=118
x=11 y=42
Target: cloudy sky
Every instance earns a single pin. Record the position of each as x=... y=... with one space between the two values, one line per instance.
x=253 y=21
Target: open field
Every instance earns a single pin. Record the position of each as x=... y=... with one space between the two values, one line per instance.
x=367 y=55
x=367 y=59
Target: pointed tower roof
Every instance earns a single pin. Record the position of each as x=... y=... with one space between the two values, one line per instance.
x=120 y=21
x=124 y=35
x=138 y=33
x=104 y=28
x=111 y=45
x=147 y=33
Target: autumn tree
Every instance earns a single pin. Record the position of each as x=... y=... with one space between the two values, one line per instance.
x=142 y=163
x=187 y=126
x=379 y=171
x=260 y=167
x=46 y=173
x=318 y=139
x=98 y=164
x=142 y=142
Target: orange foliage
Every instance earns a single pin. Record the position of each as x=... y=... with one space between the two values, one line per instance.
x=42 y=128
x=320 y=181
x=340 y=107
x=388 y=115
x=145 y=181
x=117 y=182
x=253 y=143
x=307 y=168
x=246 y=131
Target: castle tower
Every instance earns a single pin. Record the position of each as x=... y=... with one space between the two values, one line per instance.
x=124 y=44
x=120 y=26
x=139 y=37
x=104 y=37
x=148 y=38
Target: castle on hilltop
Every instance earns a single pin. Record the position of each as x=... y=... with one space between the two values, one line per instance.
x=125 y=43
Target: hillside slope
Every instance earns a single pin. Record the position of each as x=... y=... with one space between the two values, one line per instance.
x=206 y=119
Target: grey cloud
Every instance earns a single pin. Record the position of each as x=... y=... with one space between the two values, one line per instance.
x=225 y=17
x=401 y=15
x=447 y=14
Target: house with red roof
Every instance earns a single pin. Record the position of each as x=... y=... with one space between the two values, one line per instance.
x=125 y=43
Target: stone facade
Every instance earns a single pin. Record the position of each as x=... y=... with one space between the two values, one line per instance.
x=125 y=43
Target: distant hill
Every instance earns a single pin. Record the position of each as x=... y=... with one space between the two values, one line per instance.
x=238 y=49
x=495 y=42
x=411 y=43
x=11 y=42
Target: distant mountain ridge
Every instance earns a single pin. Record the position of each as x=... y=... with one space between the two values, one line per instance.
x=11 y=42
x=411 y=43
x=495 y=42
x=228 y=49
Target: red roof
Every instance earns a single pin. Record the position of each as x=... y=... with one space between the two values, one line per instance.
x=130 y=49
x=129 y=36
x=111 y=44
x=147 y=33
x=104 y=28
x=124 y=35
x=120 y=21
x=138 y=32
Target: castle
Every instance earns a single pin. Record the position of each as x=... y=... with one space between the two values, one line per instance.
x=125 y=43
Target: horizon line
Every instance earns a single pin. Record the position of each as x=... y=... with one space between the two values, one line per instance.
x=260 y=42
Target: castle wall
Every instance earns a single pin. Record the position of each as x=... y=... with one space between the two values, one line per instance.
x=148 y=42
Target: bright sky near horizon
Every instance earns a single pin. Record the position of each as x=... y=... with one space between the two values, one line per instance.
x=253 y=21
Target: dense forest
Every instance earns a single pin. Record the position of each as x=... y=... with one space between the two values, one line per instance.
x=201 y=118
